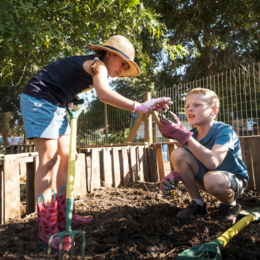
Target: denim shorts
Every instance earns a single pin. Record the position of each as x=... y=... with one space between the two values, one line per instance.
x=238 y=184
x=43 y=119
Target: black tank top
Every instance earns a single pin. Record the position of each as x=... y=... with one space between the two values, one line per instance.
x=60 y=81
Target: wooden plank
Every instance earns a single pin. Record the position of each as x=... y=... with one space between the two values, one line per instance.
x=95 y=170
x=125 y=144
x=146 y=170
x=88 y=170
x=152 y=164
x=107 y=167
x=16 y=149
x=167 y=167
x=157 y=122
x=28 y=159
x=11 y=187
x=135 y=128
x=19 y=155
x=125 y=167
x=255 y=151
x=101 y=162
x=141 y=163
x=88 y=150
x=133 y=164
x=116 y=167
x=30 y=194
x=173 y=142
x=1 y=194
x=246 y=156
x=31 y=169
x=80 y=176
x=36 y=164
x=160 y=162
x=148 y=129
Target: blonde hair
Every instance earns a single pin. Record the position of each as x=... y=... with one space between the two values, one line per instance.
x=210 y=95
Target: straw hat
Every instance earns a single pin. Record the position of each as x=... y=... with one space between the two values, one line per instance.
x=123 y=48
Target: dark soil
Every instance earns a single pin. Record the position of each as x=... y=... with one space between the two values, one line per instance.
x=136 y=223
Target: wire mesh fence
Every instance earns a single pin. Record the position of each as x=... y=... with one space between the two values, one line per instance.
x=237 y=89
x=105 y=124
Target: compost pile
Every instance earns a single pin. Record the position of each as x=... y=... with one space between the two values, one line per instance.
x=136 y=223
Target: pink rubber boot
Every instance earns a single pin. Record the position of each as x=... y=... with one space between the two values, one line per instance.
x=76 y=219
x=47 y=221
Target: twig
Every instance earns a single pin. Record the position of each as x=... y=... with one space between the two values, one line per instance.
x=76 y=201
x=164 y=200
x=21 y=76
x=147 y=239
x=170 y=251
x=147 y=189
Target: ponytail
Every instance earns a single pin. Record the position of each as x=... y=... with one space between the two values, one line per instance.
x=95 y=65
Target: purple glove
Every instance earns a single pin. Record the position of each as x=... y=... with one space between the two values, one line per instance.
x=174 y=130
x=152 y=105
x=169 y=182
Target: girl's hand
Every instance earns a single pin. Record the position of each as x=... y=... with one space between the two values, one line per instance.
x=153 y=105
x=71 y=105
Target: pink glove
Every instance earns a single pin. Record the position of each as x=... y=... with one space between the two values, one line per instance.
x=169 y=182
x=174 y=131
x=153 y=105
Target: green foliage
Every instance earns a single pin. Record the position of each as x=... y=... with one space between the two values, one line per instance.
x=117 y=137
x=35 y=33
x=217 y=35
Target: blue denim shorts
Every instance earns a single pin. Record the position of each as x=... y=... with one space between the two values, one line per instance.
x=43 y=119
x=238 y=184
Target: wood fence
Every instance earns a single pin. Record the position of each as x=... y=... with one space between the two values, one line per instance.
x=19 y=148
x=100 y=166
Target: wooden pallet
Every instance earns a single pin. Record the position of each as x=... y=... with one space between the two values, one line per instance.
x=10 y=183
x=113 y=166
x=250 y=147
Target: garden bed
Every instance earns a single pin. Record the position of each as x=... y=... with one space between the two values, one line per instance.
x=136 y=223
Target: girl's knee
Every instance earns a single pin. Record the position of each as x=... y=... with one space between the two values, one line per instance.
x=49 y=161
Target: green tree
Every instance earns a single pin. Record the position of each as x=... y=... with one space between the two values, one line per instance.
x=218 y=35
x=35 y=33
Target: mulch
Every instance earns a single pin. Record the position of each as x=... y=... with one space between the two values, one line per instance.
x=136 y=222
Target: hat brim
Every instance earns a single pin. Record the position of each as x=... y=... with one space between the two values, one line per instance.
x=133 y=70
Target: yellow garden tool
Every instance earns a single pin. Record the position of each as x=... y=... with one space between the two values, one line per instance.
x=212 y=250
x=70 y=185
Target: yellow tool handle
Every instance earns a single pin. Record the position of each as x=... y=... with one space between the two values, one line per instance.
x=72 y=160
x=235 y=229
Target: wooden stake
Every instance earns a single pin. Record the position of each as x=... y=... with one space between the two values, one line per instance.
x=135 y=128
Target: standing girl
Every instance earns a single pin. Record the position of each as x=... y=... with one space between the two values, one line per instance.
x=43 y=107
